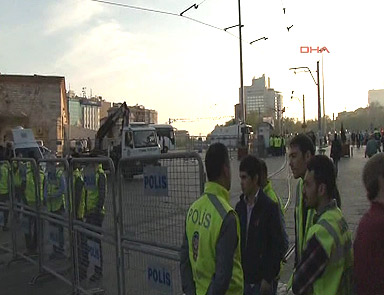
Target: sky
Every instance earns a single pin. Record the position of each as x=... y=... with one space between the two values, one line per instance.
x=186 y=70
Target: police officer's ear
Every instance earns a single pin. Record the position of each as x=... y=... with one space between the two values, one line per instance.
x=307 y=156
x=322 y=189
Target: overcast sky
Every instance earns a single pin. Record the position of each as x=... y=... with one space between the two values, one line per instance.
x=184 y=69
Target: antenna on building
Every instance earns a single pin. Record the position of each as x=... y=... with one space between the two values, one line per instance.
x=91 y=92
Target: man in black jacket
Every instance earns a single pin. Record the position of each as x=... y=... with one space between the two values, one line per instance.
x=262 y=237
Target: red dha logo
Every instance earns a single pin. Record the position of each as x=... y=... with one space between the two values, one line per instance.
x=306 y=49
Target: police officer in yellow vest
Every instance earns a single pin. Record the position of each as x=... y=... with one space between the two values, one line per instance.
x=4 y=191
x=18 y=174
x=30 y=198
x=271 y=145
x=210 y=255
x=54 y=197
x=95 y=184
x=327 y=260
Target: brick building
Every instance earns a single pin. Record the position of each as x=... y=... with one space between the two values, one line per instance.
x=36 y=102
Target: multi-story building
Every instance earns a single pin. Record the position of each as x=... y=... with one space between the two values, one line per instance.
x=36 y=102
x=84 y=112
x=376 y=96
x=91 y=113
x=261 y=98
x=139 y=113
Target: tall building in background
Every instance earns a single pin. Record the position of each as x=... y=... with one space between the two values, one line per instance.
x=376 y=96
x=262 y=99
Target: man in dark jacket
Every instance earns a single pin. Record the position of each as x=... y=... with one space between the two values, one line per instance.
x=336 y=153
x=262 y=237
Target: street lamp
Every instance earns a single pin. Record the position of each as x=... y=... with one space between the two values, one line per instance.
x=304 y=125
x=318 y=96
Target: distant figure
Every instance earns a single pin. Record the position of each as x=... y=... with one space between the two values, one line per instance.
x=336 y=153
x=89 y=143
x=372 y=147
x=369 y=241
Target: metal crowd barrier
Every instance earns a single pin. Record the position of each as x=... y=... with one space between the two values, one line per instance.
x=26 y=226
x=56 y=241
x=96 y=247
x=154 y=196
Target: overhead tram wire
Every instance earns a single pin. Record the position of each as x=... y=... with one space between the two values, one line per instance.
x=166 y=13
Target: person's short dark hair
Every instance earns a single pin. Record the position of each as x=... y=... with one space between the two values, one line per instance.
x=304 y=143
x=215 y=159
x=252 y=166
x=324 y=172
x=371 y=172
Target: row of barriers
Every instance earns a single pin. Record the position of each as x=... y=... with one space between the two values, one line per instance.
x=124 y=241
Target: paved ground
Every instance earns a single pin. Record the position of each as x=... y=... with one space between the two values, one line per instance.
x=14 y=279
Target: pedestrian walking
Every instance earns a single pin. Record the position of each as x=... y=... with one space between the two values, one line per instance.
x=369 y=241
x=210 y=254
x=336 y=152
x=262 y=238
x=326 y=265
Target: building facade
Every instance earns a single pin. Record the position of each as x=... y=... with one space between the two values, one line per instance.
x=262 y=99
x=376 y=96
x=35 y=102
x=91 y=113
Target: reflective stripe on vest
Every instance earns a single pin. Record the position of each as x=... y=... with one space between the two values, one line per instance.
x=92 y=196
x=30 y=190
x=203 y=224
x=55 y=204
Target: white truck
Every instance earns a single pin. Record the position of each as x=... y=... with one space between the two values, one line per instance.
x=24 y=144
x=128 y=141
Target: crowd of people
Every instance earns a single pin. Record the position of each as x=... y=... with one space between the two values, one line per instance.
x=241 y=250
x=88 y=204
x=276 y=145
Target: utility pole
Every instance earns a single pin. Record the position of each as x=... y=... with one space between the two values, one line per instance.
x=319 y=104
x=304 y=125
x=242 y=102
x=322 y=74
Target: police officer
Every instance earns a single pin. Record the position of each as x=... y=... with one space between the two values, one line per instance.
x=327 y=259
x=54 y=196
x=271 y=145
x=210 y=255
x=30 y=198
x=4 y=191
x=94 y=211
x=78 y=213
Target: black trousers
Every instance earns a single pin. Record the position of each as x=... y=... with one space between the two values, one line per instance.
x=4 y=198
x=31 y=236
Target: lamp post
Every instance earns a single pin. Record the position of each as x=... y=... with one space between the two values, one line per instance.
x=318 y=97
x=304 y=125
